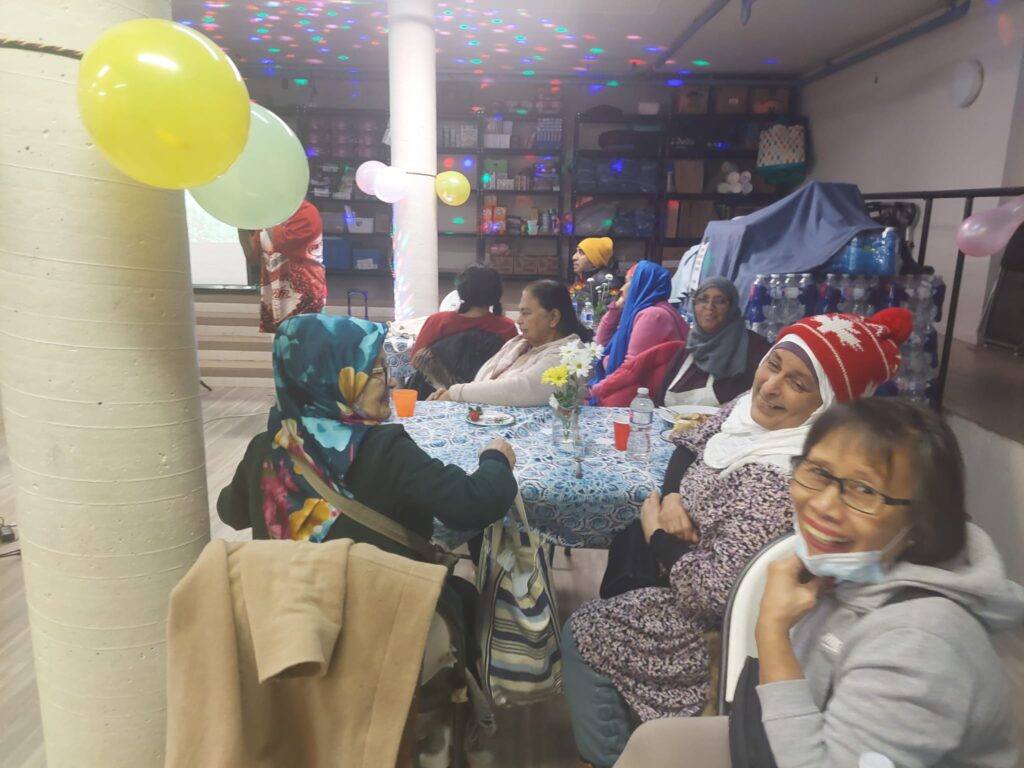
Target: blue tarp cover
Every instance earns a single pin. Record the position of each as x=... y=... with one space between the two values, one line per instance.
x=795 y=234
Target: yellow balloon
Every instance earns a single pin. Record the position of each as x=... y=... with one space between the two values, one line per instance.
x=452 y=187
x=163 y=103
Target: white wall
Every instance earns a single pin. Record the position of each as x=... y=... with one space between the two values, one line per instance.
x=995 y=488
x=888 y=124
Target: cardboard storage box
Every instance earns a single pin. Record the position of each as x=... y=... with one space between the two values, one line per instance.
x=527 y=265
x=548 y=265
x=693 y=100
x=769 y=101
x=688 y=175
x=730 y=99
x=505 y=264
x=694 y=217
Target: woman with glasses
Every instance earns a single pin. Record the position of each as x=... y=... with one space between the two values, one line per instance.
x=641 y=319
x=714 y=365
x=333 y=393
x=875 y=635
x=641 y=655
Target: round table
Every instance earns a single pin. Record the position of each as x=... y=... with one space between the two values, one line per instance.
x=398 y=351
x=568 y=511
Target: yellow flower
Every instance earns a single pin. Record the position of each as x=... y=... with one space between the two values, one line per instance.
x=557 y=376
x=351 y=383
x=314 y=512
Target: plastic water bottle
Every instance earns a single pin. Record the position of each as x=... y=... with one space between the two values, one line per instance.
x=851 y=255
x=587 y=318
x=829 y=296
x=860 y=304
x=874 y=760
x=808 y=293
x=938 y=295
x=891 y=249
x=760 y=298
x=641 y=415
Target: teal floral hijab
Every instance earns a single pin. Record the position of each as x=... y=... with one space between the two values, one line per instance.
x=321 y=366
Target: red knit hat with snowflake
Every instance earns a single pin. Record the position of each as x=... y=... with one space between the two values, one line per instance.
x=856 y=353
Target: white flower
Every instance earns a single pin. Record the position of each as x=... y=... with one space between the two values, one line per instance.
x=579 y=366
x=569 y=351
x=553 y=401
x=595 y=350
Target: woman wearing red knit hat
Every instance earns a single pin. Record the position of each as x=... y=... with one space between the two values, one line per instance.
x=641 y=655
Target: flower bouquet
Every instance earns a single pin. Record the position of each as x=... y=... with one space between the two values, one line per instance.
x=569 y=379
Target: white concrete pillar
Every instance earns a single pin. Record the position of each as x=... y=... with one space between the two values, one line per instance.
x=412 y=79
x=99 y=382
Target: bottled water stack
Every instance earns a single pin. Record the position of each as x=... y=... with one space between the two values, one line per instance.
x=778 y=300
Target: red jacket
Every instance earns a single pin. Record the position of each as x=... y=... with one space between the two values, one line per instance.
x=648 y=369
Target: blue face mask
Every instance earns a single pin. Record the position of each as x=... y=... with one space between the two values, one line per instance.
x=857 y=567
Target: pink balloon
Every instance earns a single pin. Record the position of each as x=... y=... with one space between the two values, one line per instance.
x=366 y=175
x=988 y=232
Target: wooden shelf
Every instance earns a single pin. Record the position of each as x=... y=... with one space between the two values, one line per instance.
x=357 y=234
x=523 y=237
x=338 y=201
x=361 y=272
x=621 y=153
x=523 y=192
x=711 y=153
x=602 y=195
x=728 y=199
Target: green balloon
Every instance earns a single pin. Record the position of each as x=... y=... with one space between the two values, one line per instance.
x=268 y=181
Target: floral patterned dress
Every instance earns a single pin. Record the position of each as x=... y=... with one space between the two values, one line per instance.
x=650 y=642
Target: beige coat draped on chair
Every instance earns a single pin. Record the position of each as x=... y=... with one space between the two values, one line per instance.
x=286 y=653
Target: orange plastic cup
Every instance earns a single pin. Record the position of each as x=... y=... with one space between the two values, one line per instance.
x=405 y=402
x=621 y=424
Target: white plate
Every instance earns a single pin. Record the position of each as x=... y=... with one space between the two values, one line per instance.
x=668 y=413
x=492 y=419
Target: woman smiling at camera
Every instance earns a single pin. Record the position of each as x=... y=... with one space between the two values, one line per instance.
x=875 y=635
x=641 y=655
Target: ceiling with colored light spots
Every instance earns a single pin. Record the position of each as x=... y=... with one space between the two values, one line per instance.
x=590 y=38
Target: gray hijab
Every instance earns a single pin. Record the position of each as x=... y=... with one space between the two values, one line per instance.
x=724 y=353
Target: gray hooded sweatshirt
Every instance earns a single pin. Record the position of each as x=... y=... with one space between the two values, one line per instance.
x=917 y=681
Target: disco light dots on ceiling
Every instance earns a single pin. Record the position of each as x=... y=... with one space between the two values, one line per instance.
x=337 y=30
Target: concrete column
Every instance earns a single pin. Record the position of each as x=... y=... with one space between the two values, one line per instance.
x=99 y=381
x=412 y=79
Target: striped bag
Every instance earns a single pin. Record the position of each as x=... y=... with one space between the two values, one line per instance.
x=521 y=657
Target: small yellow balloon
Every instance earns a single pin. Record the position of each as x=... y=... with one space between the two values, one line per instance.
x=163 y=103
x=452 y=187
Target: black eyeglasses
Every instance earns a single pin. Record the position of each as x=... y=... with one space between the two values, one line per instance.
x=858 y=496
x=716 y=302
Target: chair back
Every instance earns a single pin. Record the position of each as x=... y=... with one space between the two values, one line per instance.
x=741 y=616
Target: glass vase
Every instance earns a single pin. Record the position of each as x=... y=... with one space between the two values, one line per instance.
x=565 y=427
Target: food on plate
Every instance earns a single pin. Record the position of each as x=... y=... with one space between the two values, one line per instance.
x=685 y=421
x=475 y=412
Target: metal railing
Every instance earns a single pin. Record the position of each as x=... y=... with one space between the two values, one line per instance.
x=968 y=196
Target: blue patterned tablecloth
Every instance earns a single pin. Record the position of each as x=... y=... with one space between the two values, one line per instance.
x=398 y=351
x=569 y=511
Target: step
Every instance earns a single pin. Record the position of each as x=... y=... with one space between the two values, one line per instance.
x=226 y=356
x=223 y=382
x=237 y=369
x=262 y=342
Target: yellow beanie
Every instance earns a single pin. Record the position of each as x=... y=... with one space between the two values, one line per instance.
x=598 y=250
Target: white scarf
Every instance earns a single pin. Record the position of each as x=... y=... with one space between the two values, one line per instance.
x=741 y=440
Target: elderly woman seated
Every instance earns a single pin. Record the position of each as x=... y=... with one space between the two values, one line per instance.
x=333 y=393
x=875 y=635
x=642 y=318
x=641 y=655
x=714 y=365
x=547 y=321
x=452 y=346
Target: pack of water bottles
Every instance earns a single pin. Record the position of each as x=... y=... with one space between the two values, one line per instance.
x=871 y=253
x=779 y=300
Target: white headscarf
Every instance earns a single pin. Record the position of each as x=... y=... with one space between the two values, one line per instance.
x=741 y=440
